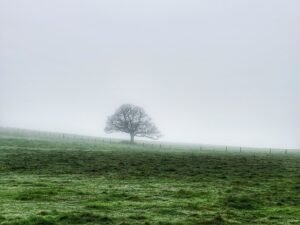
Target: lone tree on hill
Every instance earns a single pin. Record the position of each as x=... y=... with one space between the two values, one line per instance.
x=133 y=120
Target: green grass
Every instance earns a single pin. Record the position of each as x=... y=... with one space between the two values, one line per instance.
x=47 y=182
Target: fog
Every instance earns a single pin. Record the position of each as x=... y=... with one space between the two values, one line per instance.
x=212 y=72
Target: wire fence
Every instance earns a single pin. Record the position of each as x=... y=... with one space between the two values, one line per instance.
x=163 y=146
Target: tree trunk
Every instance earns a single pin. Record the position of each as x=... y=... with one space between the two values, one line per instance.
x=131 y=138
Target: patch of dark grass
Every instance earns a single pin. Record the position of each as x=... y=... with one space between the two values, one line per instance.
x=32 y=220
x=164 y=223
x=193 y=206
x=137 y=217
x=36 y=195
x=44 y=213
x=98 y=206
x=217 y=220
x=243 y=202
x=169 y=211
x=184 y=193
x=84 y=218
x=2 y=218
x=134 y=198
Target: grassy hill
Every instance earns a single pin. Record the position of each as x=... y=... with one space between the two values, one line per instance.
x=50 y=179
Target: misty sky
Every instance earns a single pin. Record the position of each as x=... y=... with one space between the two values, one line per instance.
x=218 y=72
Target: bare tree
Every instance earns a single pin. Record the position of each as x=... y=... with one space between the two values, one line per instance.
x=133 y=120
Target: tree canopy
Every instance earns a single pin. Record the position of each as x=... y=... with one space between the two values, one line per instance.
x=133 y=120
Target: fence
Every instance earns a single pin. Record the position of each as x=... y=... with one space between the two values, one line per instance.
x=96 y=141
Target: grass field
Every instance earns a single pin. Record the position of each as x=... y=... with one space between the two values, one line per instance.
x=45 y=182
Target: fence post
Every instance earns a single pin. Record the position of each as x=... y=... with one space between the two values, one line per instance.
x=226 y=149
x=285 y=151
x=270 y=151
x=240 y=149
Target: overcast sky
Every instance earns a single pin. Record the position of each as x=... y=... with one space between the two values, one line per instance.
x=218 y=72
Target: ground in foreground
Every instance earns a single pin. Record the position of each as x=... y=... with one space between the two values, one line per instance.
x=46 y=182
